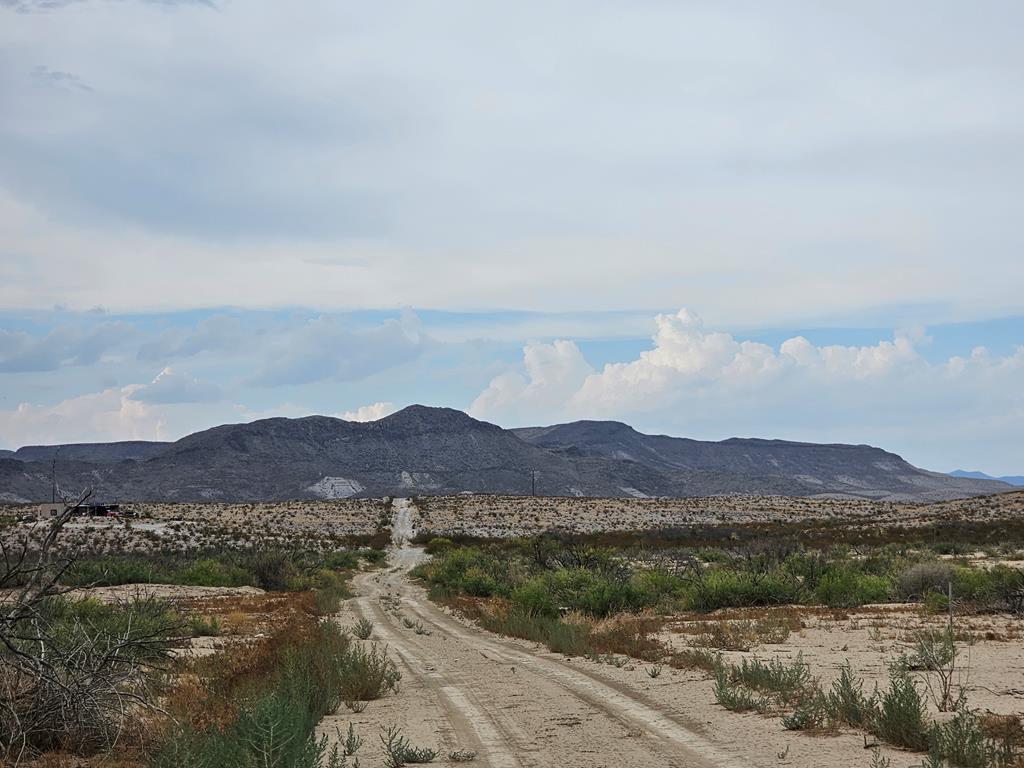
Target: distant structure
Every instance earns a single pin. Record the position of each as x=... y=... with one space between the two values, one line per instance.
x=46 y=511
x=51 y=510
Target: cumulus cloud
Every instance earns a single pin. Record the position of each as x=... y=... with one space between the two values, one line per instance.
x=128 y=413
x=686 y=359
x=64 y=346
x=705 y=383
x=172 y=387
x=112 y=414
x=370 y=412
x=552 y=373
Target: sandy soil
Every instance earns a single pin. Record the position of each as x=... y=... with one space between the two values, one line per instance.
x=517 y=704
x=173 y=592
x=991 y=660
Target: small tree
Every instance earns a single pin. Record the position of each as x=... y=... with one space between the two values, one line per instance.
x=67 y=682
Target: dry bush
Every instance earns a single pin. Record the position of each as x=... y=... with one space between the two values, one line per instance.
x=73 y=676
x=741 y=635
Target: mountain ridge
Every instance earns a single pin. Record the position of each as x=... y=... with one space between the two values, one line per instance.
x=422 y=450
x=1017 y=480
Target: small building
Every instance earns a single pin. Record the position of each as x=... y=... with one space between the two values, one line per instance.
x=51 y=510
x=46 y=511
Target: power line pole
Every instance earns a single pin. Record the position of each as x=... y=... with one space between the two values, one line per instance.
x=53 y=477
x=533 y=487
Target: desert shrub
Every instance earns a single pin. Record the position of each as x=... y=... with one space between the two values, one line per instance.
x=269 y=569
x=270 y=698
x=726 y=588
x=811 y=713
x=960 y=742
x=209 y=572
x=1005 y=735
x=628 y=634
x=901 y=718
x=741 y=635
x=273 y=570
x=478 y=583
x=363 y=629
x=82 y=671
x=557 y=635
x=329 y=589
x=655 y=587
x=366 y=674
x=995 y=589
x=846 y=702
x=398 y=751
x=935 y=602
x=935 y=651
x=438 y=544
x=788 y=682
x=920 y=579
x=733 y=696
x=534 y=598
x=204 y=626
x=848 y=588
x=694 y=658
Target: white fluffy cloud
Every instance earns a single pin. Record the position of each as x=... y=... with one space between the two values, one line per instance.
x=553 y=372
x=370 y=412
x=698 y=382
x=112 y=414
x=686 y=359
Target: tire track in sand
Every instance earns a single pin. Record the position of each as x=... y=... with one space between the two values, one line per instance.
x=473 y=726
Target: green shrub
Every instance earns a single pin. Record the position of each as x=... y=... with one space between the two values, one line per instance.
x=846 y=588
x=204 y=626
x=477 y=583
x=846 y=702
x=275 y=722
x=557 y=635
x=363 y=629
x=789 y=682
x=366 y=674
x=810 y=714
x=438 y=544
x=961 y=742
x=936 y=602
x=735 y=697
x=722 y=588
x=901 y=718
x=398 y=751
x=534 y=598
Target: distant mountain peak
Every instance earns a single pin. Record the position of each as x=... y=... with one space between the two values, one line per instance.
x=975 y=475
x=427 y=418
x=426 y=450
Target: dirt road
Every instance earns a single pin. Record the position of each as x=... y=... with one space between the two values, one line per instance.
x=517 y=705
x=402 y=529
x=500 y=699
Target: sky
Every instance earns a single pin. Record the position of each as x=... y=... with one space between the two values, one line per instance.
x=796 y=220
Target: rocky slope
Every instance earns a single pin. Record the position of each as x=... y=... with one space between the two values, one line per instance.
x=422 y=450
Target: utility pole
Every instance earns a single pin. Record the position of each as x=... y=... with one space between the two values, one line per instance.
x=53 y=477
x=533 y=485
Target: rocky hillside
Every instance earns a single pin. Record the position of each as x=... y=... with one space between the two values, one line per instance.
x=422 y=450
